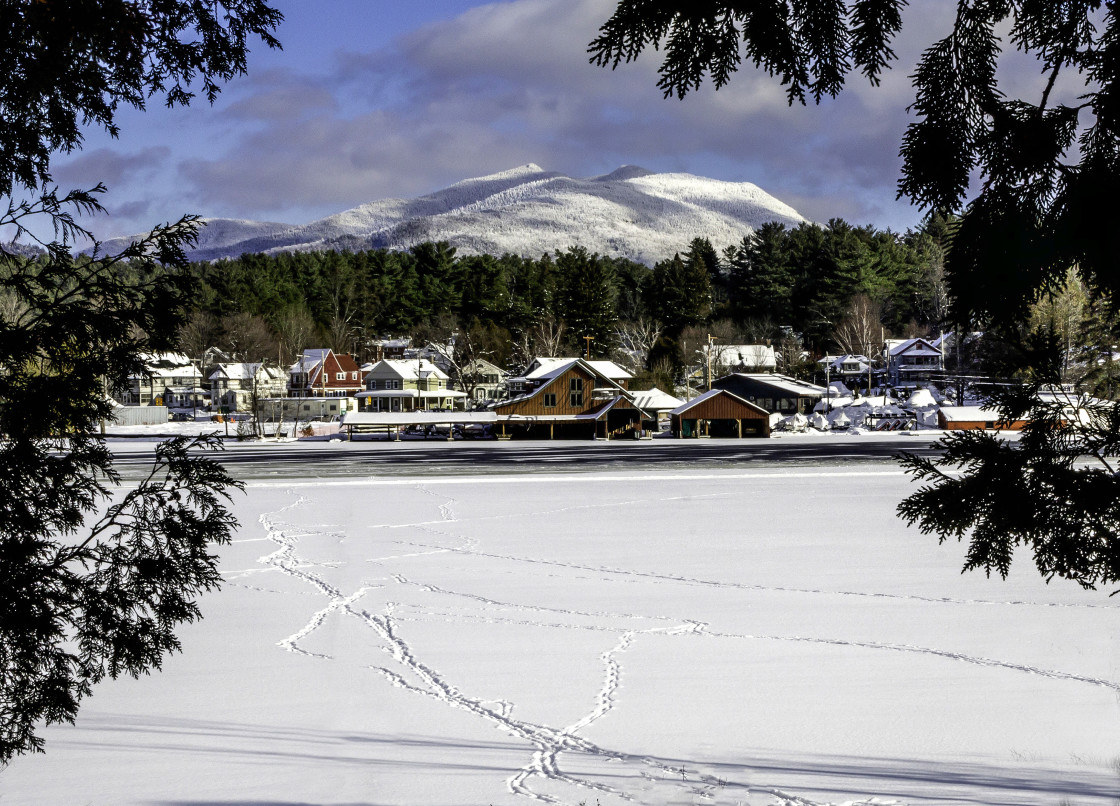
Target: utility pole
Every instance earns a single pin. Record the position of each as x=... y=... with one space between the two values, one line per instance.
x=827 y=387
x=588 y=339
x=711 y=338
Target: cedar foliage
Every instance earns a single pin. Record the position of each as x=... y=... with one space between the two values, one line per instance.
x=1044 y=203
x=95 y=579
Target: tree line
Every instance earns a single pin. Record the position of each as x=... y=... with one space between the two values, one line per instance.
x=775 y=282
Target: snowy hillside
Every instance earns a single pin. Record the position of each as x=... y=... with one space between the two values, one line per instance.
x=627 y=213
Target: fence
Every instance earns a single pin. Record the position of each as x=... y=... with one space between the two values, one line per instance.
x=140 y=415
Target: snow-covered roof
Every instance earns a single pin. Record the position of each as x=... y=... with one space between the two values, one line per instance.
x=410 y=369
x=785 y=383
x=238 y=371
x=837 y=362
x=681 y=409
x=167 y=365
x=911 y=347
x=309 y=360
x=655 y=400
x=545 y=367
x=955 y=414
x=750 y=355
x=920 y=399
x=422 y=393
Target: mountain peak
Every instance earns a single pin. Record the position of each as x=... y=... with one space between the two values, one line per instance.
x=630 y=213
x=622 y=173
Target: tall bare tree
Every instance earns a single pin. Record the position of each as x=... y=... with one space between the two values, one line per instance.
x=861 y=328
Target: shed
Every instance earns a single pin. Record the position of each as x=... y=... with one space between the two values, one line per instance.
x=719 y=413
x=974 y=418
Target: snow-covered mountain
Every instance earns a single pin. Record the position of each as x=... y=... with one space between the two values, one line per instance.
x=629 y=213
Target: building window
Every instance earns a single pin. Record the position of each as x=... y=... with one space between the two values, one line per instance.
x=575 y=392
x=550 y=400
x=353 y=376
x=340 y=376
x=373 y=384
x=396 y=384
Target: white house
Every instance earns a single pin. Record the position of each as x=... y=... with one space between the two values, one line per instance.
x=911 y=361
x=398 y=384
x=232 y=385
x=168 y=379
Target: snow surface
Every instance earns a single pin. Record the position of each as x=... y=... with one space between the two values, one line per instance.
x=528 y=211
x=686 y=637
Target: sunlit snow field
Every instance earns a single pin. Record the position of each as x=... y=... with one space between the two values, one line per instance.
x=656 y=638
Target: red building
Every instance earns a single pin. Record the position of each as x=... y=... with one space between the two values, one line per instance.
x=324 y=373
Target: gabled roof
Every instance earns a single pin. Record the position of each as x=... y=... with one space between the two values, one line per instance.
x=243 y=371
x=167 y=365
x=409 y=369
x=558 y=367
x=696 y=401
x=746 y=354
x=655 y=400
x=237 y=371
x=311 y=361
x=912 y=347
x=544 y=368
x=783 y=383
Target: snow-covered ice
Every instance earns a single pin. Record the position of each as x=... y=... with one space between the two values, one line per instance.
x=708 y=637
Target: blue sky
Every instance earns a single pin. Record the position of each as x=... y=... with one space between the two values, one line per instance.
x=372 y=99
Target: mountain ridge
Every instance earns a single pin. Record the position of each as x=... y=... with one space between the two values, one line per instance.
x=630 y=212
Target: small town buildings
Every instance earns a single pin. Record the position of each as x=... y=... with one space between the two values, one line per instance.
x=719 y=413
x=397 y=384
x=912 y=361
x=233 y=385
x=777 y=394
x=324 y=373
x=571 y=398
x=167 y=379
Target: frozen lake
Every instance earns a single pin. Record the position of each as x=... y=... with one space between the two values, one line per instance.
x=661 y=637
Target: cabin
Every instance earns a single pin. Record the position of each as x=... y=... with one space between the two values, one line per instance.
x=719 y=413
x=974 y=418
x=570 y=398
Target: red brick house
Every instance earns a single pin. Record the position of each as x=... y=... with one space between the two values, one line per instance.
x=324 y=373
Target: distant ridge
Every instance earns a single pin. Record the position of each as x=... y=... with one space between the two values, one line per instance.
x=630 y=212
